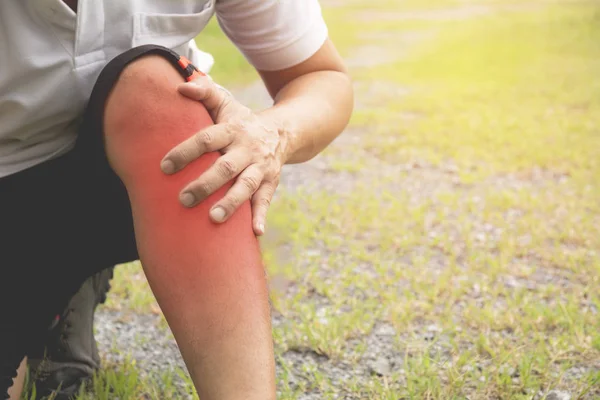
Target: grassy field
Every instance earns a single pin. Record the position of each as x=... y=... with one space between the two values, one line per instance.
x=447 y=245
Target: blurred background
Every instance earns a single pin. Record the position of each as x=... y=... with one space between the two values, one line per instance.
x=446 y=245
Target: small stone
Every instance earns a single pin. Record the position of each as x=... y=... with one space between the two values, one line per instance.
x=511 y=282
x=380 y=367
x=467 y=368
x=385 y=330
x=508 y=370
x=531 y=285
x=417 y=165
x=450 y=168
x=558 y=395
x=312 y=253
x=396 y=361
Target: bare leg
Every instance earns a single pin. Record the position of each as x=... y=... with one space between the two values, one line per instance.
x=208 y=279
x=15 y=390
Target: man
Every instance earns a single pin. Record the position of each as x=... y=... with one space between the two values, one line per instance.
x=69 y=355
x=185 y=165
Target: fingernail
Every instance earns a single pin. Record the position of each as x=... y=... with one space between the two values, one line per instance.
x=187 y=199
x=261 y=228
x=217 y=214
x=167 y=166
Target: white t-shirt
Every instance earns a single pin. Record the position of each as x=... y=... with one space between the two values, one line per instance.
x=50 y=56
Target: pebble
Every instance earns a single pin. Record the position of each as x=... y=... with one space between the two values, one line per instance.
x=558 y=395
x=508 y=370
x=511 y=282
x=385 y=330
x=380 y=366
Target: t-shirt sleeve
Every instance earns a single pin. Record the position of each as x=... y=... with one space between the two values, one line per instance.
x=273 y=34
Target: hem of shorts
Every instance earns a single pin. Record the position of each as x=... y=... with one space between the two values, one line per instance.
x=4 y=172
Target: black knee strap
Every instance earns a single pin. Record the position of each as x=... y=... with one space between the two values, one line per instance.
x=93 y=119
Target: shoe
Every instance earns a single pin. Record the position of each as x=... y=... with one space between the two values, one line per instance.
x=71 y=355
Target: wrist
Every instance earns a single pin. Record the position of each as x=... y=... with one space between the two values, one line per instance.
x=286 y=135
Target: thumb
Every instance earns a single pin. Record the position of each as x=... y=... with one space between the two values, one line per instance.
x=203 y=89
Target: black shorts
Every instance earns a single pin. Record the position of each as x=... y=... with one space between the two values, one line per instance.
x=62 y=221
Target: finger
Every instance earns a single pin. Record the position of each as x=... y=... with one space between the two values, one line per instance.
x=205 y=90
x=213 y=138
x=260 y=205
x=227 y=167
x=244 y=187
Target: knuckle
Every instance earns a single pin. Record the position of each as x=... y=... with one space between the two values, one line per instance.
x=264 y=202
x=181 y=154
x=227 y=168
x=212 y=90
x=258 y=150
x=230 y=132
x=202 y=188
x=204 y=139
x=226 y=100
x=231 y=202
x=250 y=182
x=235 y=127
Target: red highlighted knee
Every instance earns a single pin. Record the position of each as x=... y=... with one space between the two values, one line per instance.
x=144 y=118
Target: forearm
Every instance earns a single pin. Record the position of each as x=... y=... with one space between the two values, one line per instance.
x=311 y=111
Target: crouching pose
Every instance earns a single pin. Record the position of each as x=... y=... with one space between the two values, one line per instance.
x=166 y=167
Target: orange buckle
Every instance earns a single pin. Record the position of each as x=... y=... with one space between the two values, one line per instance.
x=189 y=70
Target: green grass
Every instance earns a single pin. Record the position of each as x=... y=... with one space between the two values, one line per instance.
x=501 y=256
x=510 y=95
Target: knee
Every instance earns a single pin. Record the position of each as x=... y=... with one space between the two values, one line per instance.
x=145 y=116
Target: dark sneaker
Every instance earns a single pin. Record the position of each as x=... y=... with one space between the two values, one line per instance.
x=71 y=354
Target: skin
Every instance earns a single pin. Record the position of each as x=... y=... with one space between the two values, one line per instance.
x=313 y=103
x=15 y=391
x=208 y=278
